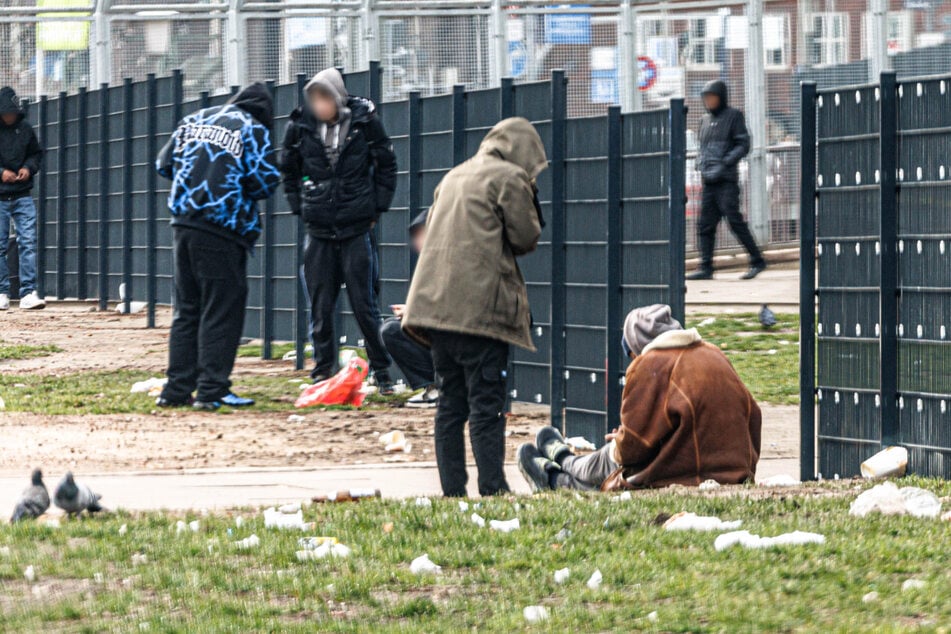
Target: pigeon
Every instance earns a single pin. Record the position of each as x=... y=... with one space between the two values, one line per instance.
x=34 y=501
x=75 y=498
x=766 y=317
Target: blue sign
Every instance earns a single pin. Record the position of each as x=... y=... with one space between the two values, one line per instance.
x=518 y=59
x=604 y=87
x=568 y=28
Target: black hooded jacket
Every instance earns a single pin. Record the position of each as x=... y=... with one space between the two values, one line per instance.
x=19 y=146
x=339 y=201
x=724 y=139
x=221 y=162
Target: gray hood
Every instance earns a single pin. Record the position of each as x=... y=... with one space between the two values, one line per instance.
x=331 y=81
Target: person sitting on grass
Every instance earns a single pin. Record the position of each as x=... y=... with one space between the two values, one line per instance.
x=686 y=417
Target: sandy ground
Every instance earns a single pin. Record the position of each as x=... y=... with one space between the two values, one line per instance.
x=91 y=340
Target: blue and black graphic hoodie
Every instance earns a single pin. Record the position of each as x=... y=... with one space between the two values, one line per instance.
x=221 y=162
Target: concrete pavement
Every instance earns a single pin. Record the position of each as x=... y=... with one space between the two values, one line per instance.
x=778 y=287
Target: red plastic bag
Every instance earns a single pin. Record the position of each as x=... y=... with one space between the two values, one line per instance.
x=341 y=389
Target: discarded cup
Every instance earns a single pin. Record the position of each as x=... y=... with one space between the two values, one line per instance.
x=535 y=613
x=887 y=463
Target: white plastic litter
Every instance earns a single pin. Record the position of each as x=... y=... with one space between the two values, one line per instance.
x=248 y=542
x=289 y=508
x=134 y=307
x=693 y=522
x=888 y=499
x=624 y=496
x=239 y=522
x=562 y=575
x=580 y=443
x=463 y=507
x=152 y=386
x=535 y=613
x=749 y=540
x=424 y=503
x=708 y=485
x=295 y=418
x=870 y=597
x=423 y=565
x=653 y=616
x=709 y=321
x=395 y=442
x=275 y=519
x=594 y=581
x=781 y=480
x=324 y=550
x=478 y=520
x=912 y=584
x=505 y=526
x=123 y=529
x=30 y=574
x=920 y=503
x=891 y=461
x=180 y=527
x=194 y=526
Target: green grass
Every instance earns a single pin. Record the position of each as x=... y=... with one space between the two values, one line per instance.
x=766 y=360
x=199 y=582
x=17 y=351
x=253 y=350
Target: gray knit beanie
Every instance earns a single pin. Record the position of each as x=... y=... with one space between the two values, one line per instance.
x=645 y=324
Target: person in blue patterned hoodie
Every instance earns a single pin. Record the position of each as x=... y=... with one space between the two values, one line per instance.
x=221 y=162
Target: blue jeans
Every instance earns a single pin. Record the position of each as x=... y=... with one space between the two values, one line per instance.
x=23 y=213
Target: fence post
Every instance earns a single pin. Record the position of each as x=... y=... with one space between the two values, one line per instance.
x=103 y=196
x=807 y=284
x=302 y=314
x=629 y=69
x=204 y=99
x=41 y=208
x=151 y=212
x=371 y=32
x=61 y=197
x=81 y=206
x=236 y=58
x=615 y=229
x=267 y=267
x=889 y=256
x=498 y=30
x=458 y=124
x=376 y=83
x=756 y=118
x=128 y=156
x=559 y=102
x=178 y=96
x=878 y=59
x=677 y=208
x=507 y=98
x=415 y=153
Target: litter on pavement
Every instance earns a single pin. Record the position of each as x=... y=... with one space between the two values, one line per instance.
x=395 y=442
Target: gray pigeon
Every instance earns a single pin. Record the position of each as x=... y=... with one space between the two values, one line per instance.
x=766 y=317
x=34 y=501
x=75 y=498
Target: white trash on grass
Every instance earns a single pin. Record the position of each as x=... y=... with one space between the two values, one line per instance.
x=888 y=499
x=329 y=548
x=781 y=480
x=693 y=522
x=912 y=584
x=30 y=574
x=891 y=461
x=746 y=539
x=291 y=508
x=424 y=503
x=152 y=386
x=562 y=575
x=624 y=496
x=273 y=518
x=505 y=526
x=424 y=565
x=478 y=520
x=463 y=507
x=708 y=485
x=248 y=542
x=535 y=613
x=870 y=597
x=123 y=530
x=594 y=581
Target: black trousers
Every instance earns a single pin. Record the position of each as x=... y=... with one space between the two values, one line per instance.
x=327 y=265
x=471 y=374
x=415 y=361
x=722 y=200
x=211 y=288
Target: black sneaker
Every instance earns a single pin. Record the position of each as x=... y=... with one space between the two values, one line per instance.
x=320 y=377
x=701 y=274
x=755 y=270
x=168 y=403
x=551 y=444
x=384 y=384
x=535 y=467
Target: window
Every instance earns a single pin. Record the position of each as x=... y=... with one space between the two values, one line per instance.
x=899 y=35
x=702 y=41
x=776 y=41
x=828 y=40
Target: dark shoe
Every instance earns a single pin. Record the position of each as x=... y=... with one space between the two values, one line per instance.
x=551 y=444
x=755 y=270
x=233 y=400
x=384 y=384
x=320 y=378
x=535 y=468
x=167 y=403
x=426 y=399
x=701 y=274
x=207 y=406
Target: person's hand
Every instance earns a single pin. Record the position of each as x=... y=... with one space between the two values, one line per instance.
x=23 y=174
x=9 y=176
x=398 y=310
x=611 y=436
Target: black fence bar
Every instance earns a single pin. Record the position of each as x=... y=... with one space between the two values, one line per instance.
x=61 y=201
x=677 y=162
x=614 y=236
x=267 y=266
x=415 y=154
x=151 y=211
x=42 y=194
x=807 y=285
x=103 y=197
x=81 y=204
x=559 y=101
x=301 y=314
x=128 y=189
x=888 y=113
x=458 y=124
x=507 y=98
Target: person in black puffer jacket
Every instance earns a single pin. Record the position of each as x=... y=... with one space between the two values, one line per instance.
x=724 y=141
x=339 y=175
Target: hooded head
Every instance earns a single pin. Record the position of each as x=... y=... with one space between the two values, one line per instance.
x=256 y=100
x=10 y=107
x=718 y=89
x=516 y=141
x=645 y=324
x=327 y=84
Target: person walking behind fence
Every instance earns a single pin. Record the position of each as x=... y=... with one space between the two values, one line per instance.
x=686 y=417
x=415 y=361
x=468 y=300
x=221 y=162
x=339 y=176
x=20 y=157
x=724 y=140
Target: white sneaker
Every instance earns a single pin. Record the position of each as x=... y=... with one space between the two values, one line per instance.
x=426 y=399
x=32 y=302
x=4 y=301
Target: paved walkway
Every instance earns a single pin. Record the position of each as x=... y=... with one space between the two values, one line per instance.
x=778 y=287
